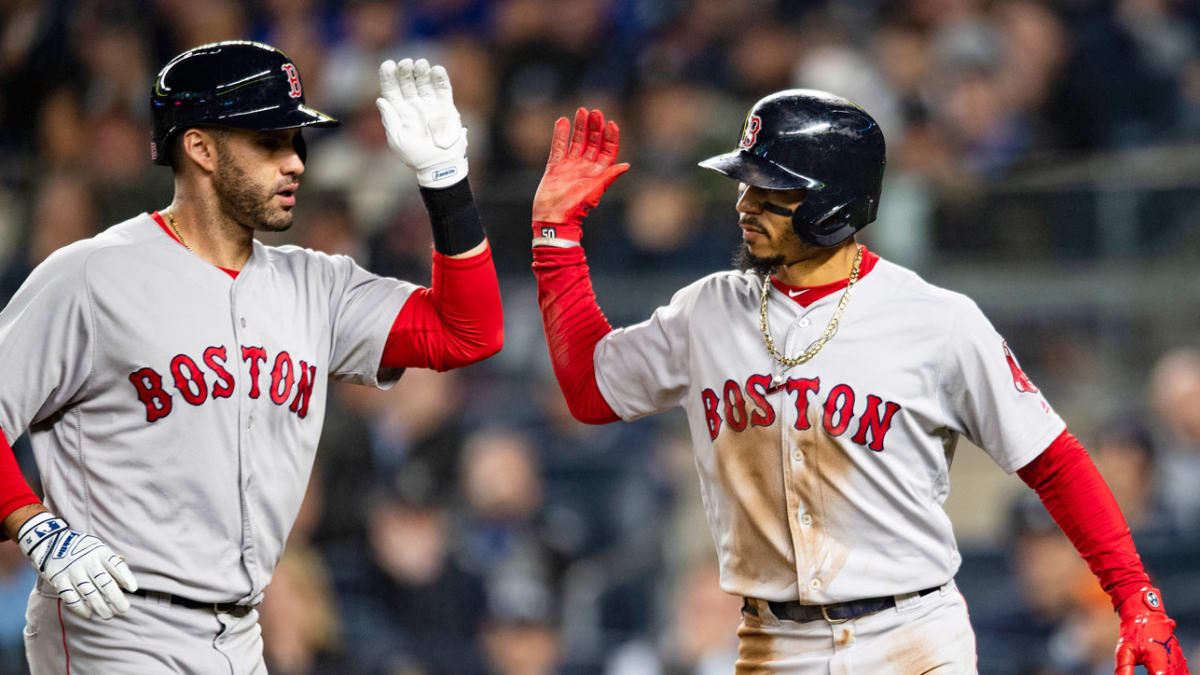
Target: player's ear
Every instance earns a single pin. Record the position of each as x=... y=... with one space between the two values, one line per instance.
x=200 y=147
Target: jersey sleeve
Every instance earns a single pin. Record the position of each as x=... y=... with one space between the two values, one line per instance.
x=364 y=307
x=46 y=343
x=643 y=369
x=987 y=397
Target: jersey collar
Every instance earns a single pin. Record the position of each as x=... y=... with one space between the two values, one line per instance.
x=807 y=295
x=163 y=224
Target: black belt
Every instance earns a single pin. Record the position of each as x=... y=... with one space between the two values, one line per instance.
x=218 y=607
x=835 y=613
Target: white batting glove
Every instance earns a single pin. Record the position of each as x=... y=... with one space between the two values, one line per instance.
x=422 y=124
x=83 y=570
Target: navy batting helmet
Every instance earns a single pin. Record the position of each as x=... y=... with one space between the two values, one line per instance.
x=804 y=138
x=237 y=83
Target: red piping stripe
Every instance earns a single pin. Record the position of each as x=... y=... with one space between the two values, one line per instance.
x=63 y=627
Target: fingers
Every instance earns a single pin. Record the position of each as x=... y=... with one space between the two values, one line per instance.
x=71 y=599
x=609 y=143
x=389 y=86
x=405 y=79
x=595 y=129
x=422 y=80
x=119 y=569
x=575 y=151
x=441 y=85
x=1126 y=659
x=558 y=144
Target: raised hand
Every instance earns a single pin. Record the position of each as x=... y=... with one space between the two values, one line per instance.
x=1148 y=637
x=85 y=572
x=581 y=167
x=422 y=124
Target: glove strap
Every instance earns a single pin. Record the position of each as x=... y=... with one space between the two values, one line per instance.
x=35 y=531
x=560 y=235
x=443 y=175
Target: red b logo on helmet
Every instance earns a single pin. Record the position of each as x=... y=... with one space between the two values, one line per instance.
x=293 y=80
x=750 y=134
x=1020 y=380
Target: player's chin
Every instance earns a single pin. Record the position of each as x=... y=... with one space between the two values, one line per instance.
x=280 y=221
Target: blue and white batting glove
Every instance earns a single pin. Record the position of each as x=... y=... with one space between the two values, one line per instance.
x=85 y=572
x=422 y=124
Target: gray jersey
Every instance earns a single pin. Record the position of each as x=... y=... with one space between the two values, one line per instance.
x=825 y=482
x=175 y=411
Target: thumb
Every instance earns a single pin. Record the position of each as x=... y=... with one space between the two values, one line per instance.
x=612 y=173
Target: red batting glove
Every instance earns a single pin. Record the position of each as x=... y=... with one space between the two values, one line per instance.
x=576 y=176
x=1148 y=636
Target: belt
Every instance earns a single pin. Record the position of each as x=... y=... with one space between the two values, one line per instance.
x=836 y=613
x=217 y=607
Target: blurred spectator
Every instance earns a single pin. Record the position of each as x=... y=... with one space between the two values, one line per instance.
x=358 y=164
x=702 y=635
x=1125 y=456
x=520 y=636
x=17 y=577
x=416 y=608
x=299 y=616
x=414 y=426
x=370 y=35
x=64 y=211
x=1175 y=395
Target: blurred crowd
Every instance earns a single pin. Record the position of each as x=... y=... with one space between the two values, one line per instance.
x=463 y=522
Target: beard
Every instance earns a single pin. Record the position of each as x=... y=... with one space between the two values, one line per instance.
x=246 y=202
x=745 y=261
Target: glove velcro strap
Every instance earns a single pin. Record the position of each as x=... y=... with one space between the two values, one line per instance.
x=443 y=175
x=38 y=529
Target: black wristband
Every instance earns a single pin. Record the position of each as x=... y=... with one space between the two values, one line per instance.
x=455 y=220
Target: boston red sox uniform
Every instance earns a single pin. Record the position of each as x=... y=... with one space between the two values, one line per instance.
x=824 y=419
x=824 y=482
x=177 y=410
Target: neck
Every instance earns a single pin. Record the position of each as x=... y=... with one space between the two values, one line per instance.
x=819 y=266
x=207 y=232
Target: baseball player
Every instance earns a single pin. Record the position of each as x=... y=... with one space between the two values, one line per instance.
x=825 y=390
x=173 y=371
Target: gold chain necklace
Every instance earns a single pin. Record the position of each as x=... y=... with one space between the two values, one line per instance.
x=829 y=329
x=175 y=228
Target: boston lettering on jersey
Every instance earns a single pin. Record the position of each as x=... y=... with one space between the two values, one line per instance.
x=193 y=386
x=732 y=407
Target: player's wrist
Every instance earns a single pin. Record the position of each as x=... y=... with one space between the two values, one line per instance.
x=562 y=235
x=454 y=218
x=35 y=531
x=1147 y=599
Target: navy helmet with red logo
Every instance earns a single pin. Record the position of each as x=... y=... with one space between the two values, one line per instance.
x=804 y=138
x=237 y=83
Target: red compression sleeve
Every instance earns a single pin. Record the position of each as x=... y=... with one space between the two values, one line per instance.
x=454 y=323
x=1079 y=500
x=574 y=324
x=14 y=490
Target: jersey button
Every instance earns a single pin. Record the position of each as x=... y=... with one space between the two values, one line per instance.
x=804 y=323
x=798 y=456
x=243 y=322
x=806 y=520
x=814 y=584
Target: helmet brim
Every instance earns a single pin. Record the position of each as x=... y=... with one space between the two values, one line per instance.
x=273 y=118
x=751 y=169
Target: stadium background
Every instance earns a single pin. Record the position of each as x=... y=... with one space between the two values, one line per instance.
x=1044 y=158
